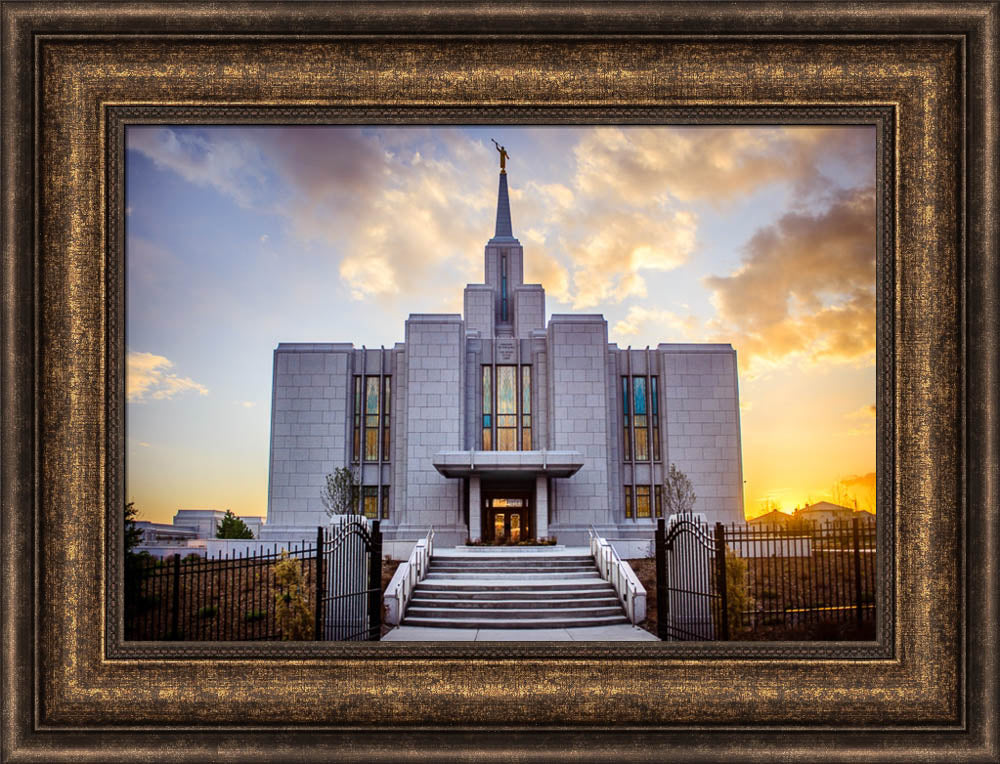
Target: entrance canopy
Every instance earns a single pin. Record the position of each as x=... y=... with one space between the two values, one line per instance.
x=496 y=464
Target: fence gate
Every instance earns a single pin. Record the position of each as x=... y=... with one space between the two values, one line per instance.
x=349 y=581
x=690 y=580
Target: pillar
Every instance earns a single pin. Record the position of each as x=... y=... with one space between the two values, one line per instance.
x=475 y=510
x=541 y=506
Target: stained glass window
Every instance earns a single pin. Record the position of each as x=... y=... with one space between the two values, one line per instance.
x=625 y=419
x=385 y=502
x=369 y=495
x=371 y=419
x=487 y=409
x=659 y=501
x=641 y=423
x=642 y=501
x=655 y=416
x=357 y=419
x=386 y=416
x=628 y=501
x=506 y=408
x=526 y=408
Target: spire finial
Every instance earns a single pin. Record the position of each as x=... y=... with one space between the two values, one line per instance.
x=504 y=156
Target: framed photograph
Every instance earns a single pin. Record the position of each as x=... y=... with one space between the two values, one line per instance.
x=883 y=111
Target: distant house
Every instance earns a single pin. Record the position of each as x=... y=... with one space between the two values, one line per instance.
x=773 y=518
x=823 y=512
x=864 y=515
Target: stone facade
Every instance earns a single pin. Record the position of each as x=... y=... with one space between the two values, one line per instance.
x=500 y=426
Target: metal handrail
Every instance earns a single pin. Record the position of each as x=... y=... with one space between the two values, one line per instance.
x=612 y=570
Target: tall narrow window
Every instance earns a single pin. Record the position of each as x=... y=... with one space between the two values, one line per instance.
x=385 y=502
x=659 y=501
x=503 y=286
x=369 y=496
x=628 y=501
x=386 y=416
x=641 y=423
x=642 y=501
x=371 y=419
x=655 y=416
x=506 y=408
x=625 y=419
x=487 y=409
x=526 y=408
x=357 y=419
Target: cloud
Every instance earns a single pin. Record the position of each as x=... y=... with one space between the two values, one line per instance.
x=714 y=163
x=805 y=288
x=394 y=209
x=865 y=413
x=863 y=419
x=246 y=404
x=652 y=321
x=390 y=207
x=148 y=378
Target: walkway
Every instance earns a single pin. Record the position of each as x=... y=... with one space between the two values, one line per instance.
x=617 y=633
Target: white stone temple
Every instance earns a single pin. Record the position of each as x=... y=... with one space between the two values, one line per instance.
x=495 y=425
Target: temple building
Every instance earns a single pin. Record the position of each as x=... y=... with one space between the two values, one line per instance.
x=499 y=426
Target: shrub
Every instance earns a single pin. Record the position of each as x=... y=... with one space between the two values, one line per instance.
x=738 y=599
x=292 y=613
x=254 y=615
x=209 y=611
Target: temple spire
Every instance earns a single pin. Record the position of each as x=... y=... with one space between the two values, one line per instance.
x=503 y=229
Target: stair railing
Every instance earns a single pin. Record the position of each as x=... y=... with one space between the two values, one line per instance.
x=406 y=578
x=613 y=569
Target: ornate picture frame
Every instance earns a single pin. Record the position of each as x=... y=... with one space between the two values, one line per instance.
x=73 y=77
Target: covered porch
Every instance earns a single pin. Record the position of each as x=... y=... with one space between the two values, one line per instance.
x=508 y=490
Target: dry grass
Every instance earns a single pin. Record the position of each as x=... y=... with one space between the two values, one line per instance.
x=847 y=630
x=219 y=601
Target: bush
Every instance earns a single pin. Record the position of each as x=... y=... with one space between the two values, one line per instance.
x=254 y=615
x=209 y=611
x=738 y=599
x=292 y=613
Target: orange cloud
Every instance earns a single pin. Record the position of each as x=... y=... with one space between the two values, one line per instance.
x=805 y=288
x=148 y=378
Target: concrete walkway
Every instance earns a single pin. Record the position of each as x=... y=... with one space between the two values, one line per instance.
x=618 y=633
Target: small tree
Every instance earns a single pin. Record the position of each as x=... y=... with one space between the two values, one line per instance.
x=136 y=566
x=340 y=494
x=133 y=536
x=292 y=613
x=232 y=527
x=678 y=494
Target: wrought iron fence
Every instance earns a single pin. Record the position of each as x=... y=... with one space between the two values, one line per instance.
x=738 y=581
x=233 y=597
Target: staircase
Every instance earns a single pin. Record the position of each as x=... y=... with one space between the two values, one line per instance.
x=513 y=591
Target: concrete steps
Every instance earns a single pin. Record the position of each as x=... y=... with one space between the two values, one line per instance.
x=513 y=591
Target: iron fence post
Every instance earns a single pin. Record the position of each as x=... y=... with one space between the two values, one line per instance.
x=176 y=604
x=661 y=580
x=720 y=562
x=318 y=626
x=857 y=570
x=375 y=585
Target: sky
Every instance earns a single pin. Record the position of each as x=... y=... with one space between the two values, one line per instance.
x=238 y=238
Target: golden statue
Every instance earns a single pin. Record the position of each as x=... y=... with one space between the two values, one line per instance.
x=504 y=156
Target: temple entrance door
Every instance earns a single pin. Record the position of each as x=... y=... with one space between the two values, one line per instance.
x=508 y=515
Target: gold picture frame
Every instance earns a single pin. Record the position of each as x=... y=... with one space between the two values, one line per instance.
x=74 y=76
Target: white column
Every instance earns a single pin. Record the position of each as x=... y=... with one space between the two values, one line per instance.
x=541 y=507
x=475 y=510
